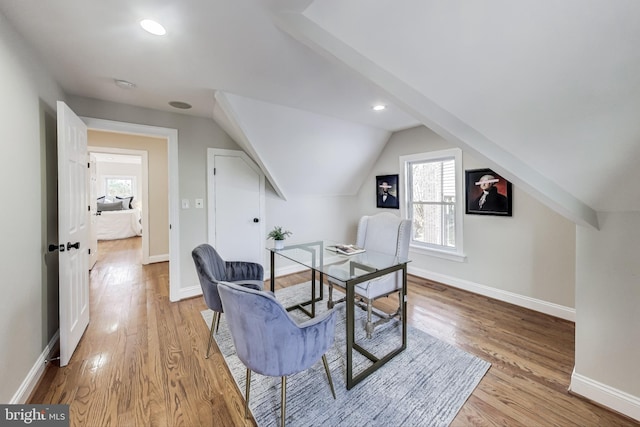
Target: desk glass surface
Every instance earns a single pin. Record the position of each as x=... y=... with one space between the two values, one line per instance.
x=351 y=270
x=318 y=256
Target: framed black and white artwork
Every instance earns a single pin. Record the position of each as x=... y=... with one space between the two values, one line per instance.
x=387 y=192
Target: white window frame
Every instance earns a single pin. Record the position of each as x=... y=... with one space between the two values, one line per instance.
x=453 y=254
x=133 y=179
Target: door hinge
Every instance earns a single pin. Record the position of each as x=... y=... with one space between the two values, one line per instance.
x=89 y=165
x=214 y=171
x=89 y=251
x=89 y=208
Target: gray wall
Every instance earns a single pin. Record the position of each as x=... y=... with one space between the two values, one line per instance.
x=530 y=255
x=195 y=135
x=28 y=308
x=607 y=295
x=608 y=308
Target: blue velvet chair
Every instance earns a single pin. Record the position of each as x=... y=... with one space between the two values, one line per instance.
x=269 y=342
x=212 y=270
x=384 y=233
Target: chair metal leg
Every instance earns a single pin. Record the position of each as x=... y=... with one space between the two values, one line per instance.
x=247 y=388
x=370 y=326
x=218 y=322
x=326 y=368
x=330 y=300
x=283 y=404
x=216 y=319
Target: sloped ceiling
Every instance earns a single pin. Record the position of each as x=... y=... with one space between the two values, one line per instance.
x=303 y=153
x=547 y=92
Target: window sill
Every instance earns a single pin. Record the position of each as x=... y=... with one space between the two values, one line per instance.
x=451 y=256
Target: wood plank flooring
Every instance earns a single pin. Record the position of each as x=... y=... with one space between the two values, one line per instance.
x=141 y=361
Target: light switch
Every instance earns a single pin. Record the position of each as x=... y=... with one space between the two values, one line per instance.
x=185 y=203
x=199 y=203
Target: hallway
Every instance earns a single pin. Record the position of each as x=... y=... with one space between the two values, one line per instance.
x=139 y=361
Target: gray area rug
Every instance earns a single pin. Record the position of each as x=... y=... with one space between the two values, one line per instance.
x=425 y=385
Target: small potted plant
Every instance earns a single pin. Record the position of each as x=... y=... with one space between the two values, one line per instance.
x=278 y=235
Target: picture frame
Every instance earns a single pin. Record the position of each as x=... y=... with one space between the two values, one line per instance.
x=387 y=192
x=498 y=199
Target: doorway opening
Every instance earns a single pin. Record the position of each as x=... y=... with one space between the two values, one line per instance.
x=123 y=175
x=172 y=222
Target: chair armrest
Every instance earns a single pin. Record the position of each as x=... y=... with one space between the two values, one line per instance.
x=322 y=318
x=256 y=285
x=321 y=330
x=242 y=270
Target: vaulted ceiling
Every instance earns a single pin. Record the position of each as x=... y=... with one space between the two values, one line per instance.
x=546 y=92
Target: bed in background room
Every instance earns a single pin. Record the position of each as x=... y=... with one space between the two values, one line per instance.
x=118 y=219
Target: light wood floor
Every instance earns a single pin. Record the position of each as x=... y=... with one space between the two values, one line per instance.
x=141 y=361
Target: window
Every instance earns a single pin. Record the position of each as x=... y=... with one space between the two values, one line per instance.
x=120 y=186
x=433 y=191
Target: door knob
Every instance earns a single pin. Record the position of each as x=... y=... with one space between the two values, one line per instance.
x=256 y=220
x=53 y=248
x=74 y=245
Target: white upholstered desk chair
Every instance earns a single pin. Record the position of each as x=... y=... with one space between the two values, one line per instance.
x=383 y=233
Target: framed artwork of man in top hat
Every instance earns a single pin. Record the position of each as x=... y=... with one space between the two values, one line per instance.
x=487 y=193
x=387 y=191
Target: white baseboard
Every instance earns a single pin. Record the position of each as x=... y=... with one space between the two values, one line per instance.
x=190 y=292
x=36 y=372
x=283 y=271
x=296 y=268
x=196 y=290
x=605 y=395
x=158 y=258
x=545 y=307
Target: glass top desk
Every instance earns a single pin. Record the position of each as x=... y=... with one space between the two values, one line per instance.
x=362 y=267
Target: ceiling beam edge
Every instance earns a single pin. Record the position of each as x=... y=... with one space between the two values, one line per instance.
x=438 y=119
x=243 y=141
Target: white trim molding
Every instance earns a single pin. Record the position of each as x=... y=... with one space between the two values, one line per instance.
x=605 y=395
x=556 y=310
x=35 y=374
x=190 y=292
x=158 y=258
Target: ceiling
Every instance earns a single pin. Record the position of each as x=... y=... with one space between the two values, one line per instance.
x=546 y=92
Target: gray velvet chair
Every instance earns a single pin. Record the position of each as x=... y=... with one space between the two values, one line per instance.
x=382 y=233
x=269 y=342
x=212 y=270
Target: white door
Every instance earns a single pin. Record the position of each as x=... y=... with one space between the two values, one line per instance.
x=236 y=203
x=93 y=211
x=73 y=230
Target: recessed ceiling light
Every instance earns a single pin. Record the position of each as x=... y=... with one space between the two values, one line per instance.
x=179 y=104
x=379 y=107
x=124 y=84
x=153 y=27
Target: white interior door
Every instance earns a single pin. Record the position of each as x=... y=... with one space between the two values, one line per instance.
x=93 y=212
x=73 y=230
x=236 y=206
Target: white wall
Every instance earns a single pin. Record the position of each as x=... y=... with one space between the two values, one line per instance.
x=527 y=259
x=310 y=219
x=29 y=96
x=111 y=169
x=608 y=312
